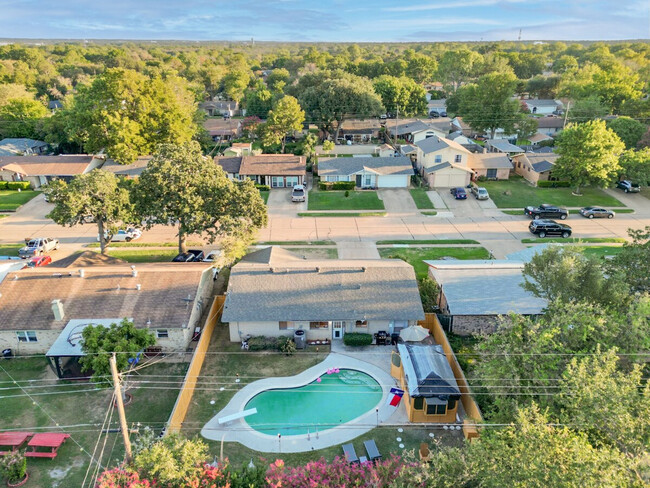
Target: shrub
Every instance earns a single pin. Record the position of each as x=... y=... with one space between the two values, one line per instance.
x=428 y=294
x=3 y=185
x=18 y=185
x=357 y=339
x=347 y=193
x=481 y=178
x=14 y=466
x=263 y=187
x=263 y=343
x=287 y=345
x=343 y=185
x=554 y=184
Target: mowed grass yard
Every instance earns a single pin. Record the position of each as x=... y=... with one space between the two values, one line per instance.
x=421 y=199
x=10 y=249
x=226 y=359
x=415 y=256
x=522 y=195
x=79 y=408
x=10 y=200
x=336 y=200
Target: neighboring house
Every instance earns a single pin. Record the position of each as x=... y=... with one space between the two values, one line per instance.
x=129 y=171
x=438 y=106
x=535 y=167
x=239 y=149
x=274 y=170
x=461 y=139
x=54 y=105
x=386 y=150
x=388 y=172
x=413 y=131
x=433 y=86
x=543 y=107
x=352 y=149
x=40 y=170
x=431 y=393
x=473 y=294
x=502 y=146
x=538 y=137
x=458 y=124
x=494 y=166
x=220 y=107
x=443 y=163
x=223 y=129
x=360 y=131
x=273 y=292
x=550 y=125
x=22 y=147
x=38 y=303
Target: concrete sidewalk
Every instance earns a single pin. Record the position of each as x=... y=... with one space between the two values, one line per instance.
x=357 y=250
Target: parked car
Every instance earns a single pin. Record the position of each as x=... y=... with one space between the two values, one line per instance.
x=543 y=228
x=480 y=193
x=628 y=187
x=212 y=256
x=37 y=247
x=546 y=211
x=298 y=194
x=434 y=114
x=191 y=256
x=459 y=193
x=123 y=235
x=596 y=212
x=37 y=261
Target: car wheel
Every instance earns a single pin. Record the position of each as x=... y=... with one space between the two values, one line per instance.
x=591 y=216
x=565 y=234
x=542 y=235
x=610 y=216
x=627 y=191
x=563 y=216
x=536 y=217
x=128 y=239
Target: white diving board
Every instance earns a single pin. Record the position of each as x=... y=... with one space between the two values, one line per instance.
x=238 y=415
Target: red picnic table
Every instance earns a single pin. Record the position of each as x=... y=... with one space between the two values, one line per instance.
x=13 y=440
x=52 y=440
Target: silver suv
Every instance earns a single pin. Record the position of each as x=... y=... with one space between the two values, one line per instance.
x=480 y=193
x=298 y=194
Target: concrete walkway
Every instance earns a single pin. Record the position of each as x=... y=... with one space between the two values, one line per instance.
x=357 y=250
x=240 y=431
x=435 y=198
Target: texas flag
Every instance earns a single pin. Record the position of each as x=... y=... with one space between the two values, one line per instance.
x=395 y=396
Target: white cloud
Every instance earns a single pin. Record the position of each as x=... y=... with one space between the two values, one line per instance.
x=449 y=5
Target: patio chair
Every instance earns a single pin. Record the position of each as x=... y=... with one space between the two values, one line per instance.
x=371 y=449
x=425 y=453
x=350 y=453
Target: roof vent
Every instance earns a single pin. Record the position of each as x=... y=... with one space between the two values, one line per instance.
x=363 y=269
x=118 y=287
x=138 y=287
x=134 y=272
x=82 y=272
x=57 y=309
x=15 y=277
x=318 y=269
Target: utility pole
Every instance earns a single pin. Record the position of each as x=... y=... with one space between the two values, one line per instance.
x=396 y=123
x=120 y=409
x=566 y=114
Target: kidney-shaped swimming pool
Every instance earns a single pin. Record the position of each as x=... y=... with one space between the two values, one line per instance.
x=337 y=398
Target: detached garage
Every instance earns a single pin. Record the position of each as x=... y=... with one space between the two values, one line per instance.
x=368 y=172
x=447 y=175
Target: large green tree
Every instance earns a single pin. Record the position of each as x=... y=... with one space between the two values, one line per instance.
x=401 y=94
x=589 y=154
x=286 y=116
x=98 y=194
x=628 y=130
x=633 y=262
x=635 y=165
x=182 y=188
x=19 y=117
x=459 y=66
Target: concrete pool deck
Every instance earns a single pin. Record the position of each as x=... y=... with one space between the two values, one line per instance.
x=240 y=431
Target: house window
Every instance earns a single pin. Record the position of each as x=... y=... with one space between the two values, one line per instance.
x=319 y=325
x=162 y=333
x=286 y=325
x=332 y=178
x=361 y=323
x=368 y=180
x=458 y=158
x=438 y=158
x=418 y=403
x=491 y=173
x=26 y=336
x=436 y=407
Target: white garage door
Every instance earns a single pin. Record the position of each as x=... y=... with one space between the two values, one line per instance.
x=394 y=181
x=449 y=180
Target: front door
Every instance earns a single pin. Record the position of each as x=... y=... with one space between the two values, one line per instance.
x=337 y=329
x=358 y=183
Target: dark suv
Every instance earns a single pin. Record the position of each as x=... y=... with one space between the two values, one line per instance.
x=546 y=211
x=543 y=228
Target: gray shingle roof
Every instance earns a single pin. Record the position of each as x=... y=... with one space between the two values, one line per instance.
x=504 y=146
x=230 y=164
x=490 y=161
x=407 y=128
x=543 y=166
x=14 y=146
x=433 y=144
x=491 y=287
x=273 y=285
x=400 y=165
x=436 y=167
x=542 y=103
x=428 y=373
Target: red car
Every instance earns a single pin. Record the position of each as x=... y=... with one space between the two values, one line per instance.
x=39 y=261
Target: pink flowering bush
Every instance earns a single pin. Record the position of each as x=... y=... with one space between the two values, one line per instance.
x=121 y=478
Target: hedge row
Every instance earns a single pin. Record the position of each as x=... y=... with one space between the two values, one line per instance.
x=357 y=339
x=14 y=185
x=554 y=184
x=263 y=187
x=263 y=343
x=336 y=185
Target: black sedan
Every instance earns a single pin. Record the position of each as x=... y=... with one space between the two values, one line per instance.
x=543 y=228
x=596 y=213
x=459 y=193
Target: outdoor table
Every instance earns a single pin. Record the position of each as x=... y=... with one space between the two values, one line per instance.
x=13 y=440
x=51 y=440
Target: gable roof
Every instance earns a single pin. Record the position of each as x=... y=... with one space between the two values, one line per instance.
x=104 y=291
x=400 y=165
x=427 y=371
x=539 y=137
x=540 y=162
x=222 y=127
x=542 y=103
x=16 y=146
x=284 y=287
x=407 y=128
x=435 y=143
x=129 y=170
x=490 y=287
x=273 y=165
x=489 y=161
x=504 y=146
x=68 y=165
x=228 y=163
x=550 y=123
x=440 y=166
x=356 y=126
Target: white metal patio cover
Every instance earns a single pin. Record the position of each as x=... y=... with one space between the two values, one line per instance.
x=413 y=333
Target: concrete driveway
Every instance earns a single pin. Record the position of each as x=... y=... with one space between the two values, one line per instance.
x=397 y=200
x=280 y=205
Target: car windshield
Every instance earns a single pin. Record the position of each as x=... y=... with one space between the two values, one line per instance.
x=32 y=243
x=482 y=191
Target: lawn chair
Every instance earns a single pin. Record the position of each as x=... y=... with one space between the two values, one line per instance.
x=350 y=453
x=425 y=453
x=371 y=449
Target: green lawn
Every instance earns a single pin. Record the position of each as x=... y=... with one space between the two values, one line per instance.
x=415 y=256
x=602 y=251
x=144 y=256
x=522 y=195
x=10 y=249
x=147 y=244
x=421 y=199
x=10 y=200
x=428 y=241
x=265 y=196
x=75 y=405
x=341 y=214
x=618 y=240
x=430 y=212
x=297 y=243
x=336 y=200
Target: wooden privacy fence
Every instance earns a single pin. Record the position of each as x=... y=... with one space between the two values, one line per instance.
x=470 y=431
x=187 y=390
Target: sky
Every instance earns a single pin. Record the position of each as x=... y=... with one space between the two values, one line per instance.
x=327 y=20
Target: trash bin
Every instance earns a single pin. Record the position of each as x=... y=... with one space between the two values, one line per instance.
x=394 y=338
x=7 y=353
x=300 y=339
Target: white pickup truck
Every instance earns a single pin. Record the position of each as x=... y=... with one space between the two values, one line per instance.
x=37 y=247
